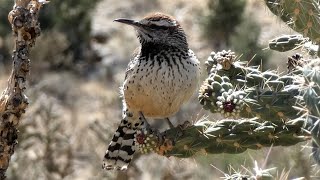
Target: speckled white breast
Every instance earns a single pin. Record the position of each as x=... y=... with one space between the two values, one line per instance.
x=160 y=86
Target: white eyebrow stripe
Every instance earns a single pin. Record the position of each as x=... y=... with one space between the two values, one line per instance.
x=161 y=22
x=164 y=23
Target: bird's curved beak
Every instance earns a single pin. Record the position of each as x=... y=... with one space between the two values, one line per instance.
x=128 y=22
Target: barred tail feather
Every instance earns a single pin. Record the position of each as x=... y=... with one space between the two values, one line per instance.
x=121 y=149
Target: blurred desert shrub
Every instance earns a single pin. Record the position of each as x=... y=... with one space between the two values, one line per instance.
x=49 y=140
x=65 y=42
x=222 y=19
x=73 y=19
x=5 y=7
x=52 y=51
x=45 y=144
x=228 y=26
x=57 y=139
x=245 y=40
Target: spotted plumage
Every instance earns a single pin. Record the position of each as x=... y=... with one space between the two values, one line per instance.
x=160 y=77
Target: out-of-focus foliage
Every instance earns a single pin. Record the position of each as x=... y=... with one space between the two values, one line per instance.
x=302 y=17
x=5 y=8
x=223 y=18
x=64 y=23
x=5 y=29
x=227 y=26
x=51 y=51
x=245 y=41
x=73 y=18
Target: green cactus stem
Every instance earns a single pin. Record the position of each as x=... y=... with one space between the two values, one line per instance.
x=301 y=15
x=229 y=136
x=287 y=42
x=240 y=91
x=260 y=110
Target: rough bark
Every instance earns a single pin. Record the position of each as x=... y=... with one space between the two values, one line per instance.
x=13 y=100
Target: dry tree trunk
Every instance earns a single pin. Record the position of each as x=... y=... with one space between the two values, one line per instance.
x=13 y=101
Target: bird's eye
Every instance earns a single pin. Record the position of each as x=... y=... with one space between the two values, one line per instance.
x=153 y=26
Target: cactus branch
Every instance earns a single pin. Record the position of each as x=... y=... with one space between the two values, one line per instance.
x=225 y=136
x=301 y=16
x=261 y=105
x=13 y=101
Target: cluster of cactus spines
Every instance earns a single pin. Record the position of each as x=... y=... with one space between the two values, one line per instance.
x=309 y=83
x=303 y=17
x=246 y=92
x=311 y=87
x=222 y=58
x=287 y=42
x=257 y=174
x=230 y=136
x=217 y=95
x=241 y=176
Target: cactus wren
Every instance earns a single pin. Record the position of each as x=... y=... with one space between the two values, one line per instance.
x=160 y=77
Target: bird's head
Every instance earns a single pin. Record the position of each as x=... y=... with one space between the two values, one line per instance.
x=158 y=28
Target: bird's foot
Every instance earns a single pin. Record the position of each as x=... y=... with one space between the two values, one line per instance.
x=168 y=141
x=169 y=123
x=147 y=126
x=179 y=129
x=144 y=121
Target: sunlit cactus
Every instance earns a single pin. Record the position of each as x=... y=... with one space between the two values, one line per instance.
x=287 y=42
x=301 y=15
x=217 y=95
x=247 y=91
x=309 y=97
x=256 y=173
x=310 y=85
x=260 y=108
x=229 y=136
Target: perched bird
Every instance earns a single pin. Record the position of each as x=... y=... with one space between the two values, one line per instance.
x=160 y=77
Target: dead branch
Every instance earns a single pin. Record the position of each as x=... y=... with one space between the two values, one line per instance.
x=13 y=100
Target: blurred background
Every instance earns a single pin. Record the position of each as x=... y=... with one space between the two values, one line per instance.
x=78 y=65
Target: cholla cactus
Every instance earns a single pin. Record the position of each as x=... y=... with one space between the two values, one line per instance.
x=260 y=105
x=217 y=95
x=303 y=17
x=309 y=84
x=257 y=174
x=287 y=42
x=247 y=92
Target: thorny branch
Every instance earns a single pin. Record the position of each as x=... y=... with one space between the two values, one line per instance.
x=224 y=136
x=13 y=101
